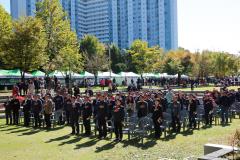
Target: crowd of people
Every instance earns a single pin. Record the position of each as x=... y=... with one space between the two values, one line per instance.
x=103 y=107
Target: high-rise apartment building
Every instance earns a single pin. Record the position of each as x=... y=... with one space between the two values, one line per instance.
x=117 y=21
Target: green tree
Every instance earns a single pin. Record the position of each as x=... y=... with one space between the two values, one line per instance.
x=90 y=46
x=93 y=52
x=26 y=46
x=117 y=61
x=62 y=44
x=5 y=28
x=5 y=31
x=138 y=51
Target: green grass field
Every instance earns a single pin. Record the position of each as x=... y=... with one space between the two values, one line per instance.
x=21 y=143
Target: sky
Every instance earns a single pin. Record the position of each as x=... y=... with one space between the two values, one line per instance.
x=204 y=24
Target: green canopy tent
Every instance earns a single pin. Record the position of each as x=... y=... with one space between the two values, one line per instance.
x=15 y=73
x=38 y=74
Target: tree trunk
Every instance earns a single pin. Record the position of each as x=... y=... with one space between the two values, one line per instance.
x=22 y=76
x=179 y=79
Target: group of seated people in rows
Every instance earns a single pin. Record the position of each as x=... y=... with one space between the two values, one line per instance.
x=104 y=106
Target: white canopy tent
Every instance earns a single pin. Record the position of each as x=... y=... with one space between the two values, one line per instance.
x=129 y=76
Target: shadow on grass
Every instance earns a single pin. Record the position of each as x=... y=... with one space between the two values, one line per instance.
x=74 y=140
x=106 y=146
x=10 y=129
x=21 y=130
x=148 y=142
x=59 y=138
x=55 y=129
x=31 y=132
x=90 y=143
x=187 y=132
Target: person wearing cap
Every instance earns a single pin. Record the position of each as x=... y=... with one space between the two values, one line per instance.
x=48 y=107
x=118 y=118
x=37 y=108
x=101 y=117
x=157 y=117
x=27 y=104
x=15 y=104
x=86 y=115
x=142 y=107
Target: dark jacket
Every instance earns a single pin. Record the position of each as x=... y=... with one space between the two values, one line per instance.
x=36 y=106
x=27 y=104
x=15 y=104
x=118 y=113
x=102 y=110
x=86 y=110
x=142 y=108
x=157 y=113
x=58 y=100
x=224 y=101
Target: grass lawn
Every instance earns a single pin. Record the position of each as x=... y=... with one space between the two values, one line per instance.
x=21 y=143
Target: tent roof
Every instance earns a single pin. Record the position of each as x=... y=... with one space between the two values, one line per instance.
x=128 y=74
x=38 y=74
x=15 y=73
x=86 y=74
x=148 y=75
x=106 y=75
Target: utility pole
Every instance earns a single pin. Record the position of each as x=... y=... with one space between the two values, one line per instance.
x=109 y=55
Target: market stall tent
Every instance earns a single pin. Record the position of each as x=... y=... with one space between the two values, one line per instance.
x=128 y=77
x=38 y=74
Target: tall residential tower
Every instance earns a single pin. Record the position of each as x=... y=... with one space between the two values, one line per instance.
x=117 y=21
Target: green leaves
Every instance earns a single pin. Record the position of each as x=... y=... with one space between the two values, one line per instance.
x=5 y=28
x=62 y=44
x=26 y=45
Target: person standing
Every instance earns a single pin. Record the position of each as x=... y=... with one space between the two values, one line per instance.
x=86 y=115
x=48 y=107
x=224 y=104
x=15 y=104
x=74 y=115
x=67 y=107
x=157 y=117
x=192 y=108
x=8 y=111
x=118 y=118
x=176 y=107
x=37 y=108
x=208 y=108
x=31 y=88
x=142 y=107
x=59 y=101
x=27 y=104
x=102 y=113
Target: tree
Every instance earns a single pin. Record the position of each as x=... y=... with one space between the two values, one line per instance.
x=5 y=31
x=155 y=57
x=26 y=46
x=91 y=46
x=138 y=50
x=5 y=28
x=117 y=61
x=93 y=52
x=62 y=44
x=179 y=61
